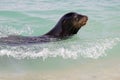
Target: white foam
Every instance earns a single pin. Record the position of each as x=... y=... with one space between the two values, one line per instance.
x=97 y=49
x=92 y=50
x=9 y=30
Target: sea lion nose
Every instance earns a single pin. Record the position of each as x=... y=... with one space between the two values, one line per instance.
x=85 y=18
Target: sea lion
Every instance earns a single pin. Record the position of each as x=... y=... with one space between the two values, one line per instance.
x=67 y=26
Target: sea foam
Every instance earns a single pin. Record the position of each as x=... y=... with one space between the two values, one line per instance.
x=88 y=49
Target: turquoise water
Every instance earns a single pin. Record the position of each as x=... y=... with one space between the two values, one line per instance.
x=96 y=45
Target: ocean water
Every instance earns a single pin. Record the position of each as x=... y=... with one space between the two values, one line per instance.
x=92 y=54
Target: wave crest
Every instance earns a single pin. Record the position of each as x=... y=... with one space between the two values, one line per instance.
x=89 y=49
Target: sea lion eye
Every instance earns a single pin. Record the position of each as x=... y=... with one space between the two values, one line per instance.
x=76 y=19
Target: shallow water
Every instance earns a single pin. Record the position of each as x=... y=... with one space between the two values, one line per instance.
x=92 y=54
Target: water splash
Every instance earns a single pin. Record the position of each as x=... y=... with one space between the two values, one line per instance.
x=87 y=49
x=99 y=48
x=6 y=30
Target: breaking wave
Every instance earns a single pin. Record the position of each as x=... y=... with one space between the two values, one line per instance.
x=65 y=49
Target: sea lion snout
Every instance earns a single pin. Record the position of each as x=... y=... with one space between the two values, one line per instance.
x=83 y=20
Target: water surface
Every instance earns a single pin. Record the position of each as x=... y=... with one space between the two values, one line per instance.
x=92 y=54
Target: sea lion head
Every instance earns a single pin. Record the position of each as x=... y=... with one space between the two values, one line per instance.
x=68 y=25
x=72 y=22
